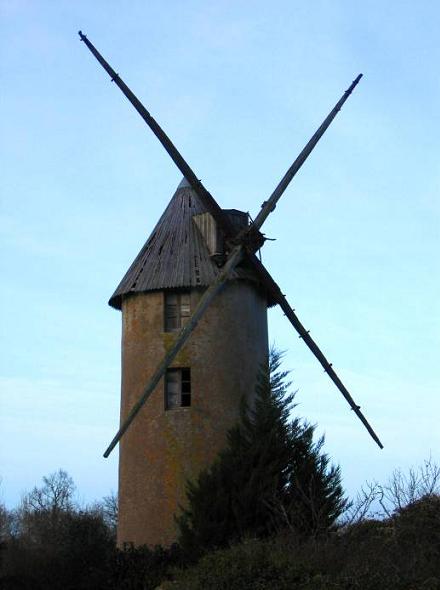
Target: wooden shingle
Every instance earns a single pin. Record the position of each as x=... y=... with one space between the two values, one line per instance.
x=176 y=255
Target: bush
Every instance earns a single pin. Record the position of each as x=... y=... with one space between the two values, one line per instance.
x=142 y=568
x=253 y=565
x=399 y=553
x=49 y=543
x=72 y=553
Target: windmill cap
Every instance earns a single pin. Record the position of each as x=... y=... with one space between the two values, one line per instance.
x=177 y=254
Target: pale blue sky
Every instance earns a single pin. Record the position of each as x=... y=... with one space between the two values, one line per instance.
x=240 y=87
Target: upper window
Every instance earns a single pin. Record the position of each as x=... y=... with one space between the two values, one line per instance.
x=177 y=388
x=177 y=310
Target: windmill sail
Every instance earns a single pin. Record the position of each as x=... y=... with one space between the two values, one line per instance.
x=246 y=242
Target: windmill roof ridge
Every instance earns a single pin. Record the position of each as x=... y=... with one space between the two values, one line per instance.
x=184 y=184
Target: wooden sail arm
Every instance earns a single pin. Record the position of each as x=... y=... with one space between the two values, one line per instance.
x=270 y=204
x=204 y=302
x=278 y=296
x=250 y=238
x=234 y=258
x=207 y=199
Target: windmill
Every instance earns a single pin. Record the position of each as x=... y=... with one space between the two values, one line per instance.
x=165 y=284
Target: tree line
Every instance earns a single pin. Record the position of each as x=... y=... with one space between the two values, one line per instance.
x=270 y=512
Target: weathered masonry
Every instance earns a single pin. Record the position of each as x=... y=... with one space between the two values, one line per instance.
x=183 y=424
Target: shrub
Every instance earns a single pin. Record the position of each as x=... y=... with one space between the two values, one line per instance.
x=399 y=553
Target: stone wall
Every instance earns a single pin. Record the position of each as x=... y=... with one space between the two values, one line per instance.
x=162 y=448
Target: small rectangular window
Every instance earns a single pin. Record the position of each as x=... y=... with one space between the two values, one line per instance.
x=177 y=388
x=177 y=310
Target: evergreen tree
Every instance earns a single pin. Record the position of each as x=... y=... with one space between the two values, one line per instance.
x=270 y=476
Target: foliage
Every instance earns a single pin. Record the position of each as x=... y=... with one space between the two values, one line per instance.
x=272 y=475
x=56 y=495
x=54 y=544
x=109 y=509
x=399 y=553
x=50 y=543
x=249 y=565
x=382 y=500
x=142 y=568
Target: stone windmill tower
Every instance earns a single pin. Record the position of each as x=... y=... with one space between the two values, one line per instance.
x=183 y=425
x=197 y=275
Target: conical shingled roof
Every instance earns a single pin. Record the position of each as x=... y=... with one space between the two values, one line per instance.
x=176 y=254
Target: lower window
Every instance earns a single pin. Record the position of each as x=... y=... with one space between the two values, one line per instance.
x=177 y=388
